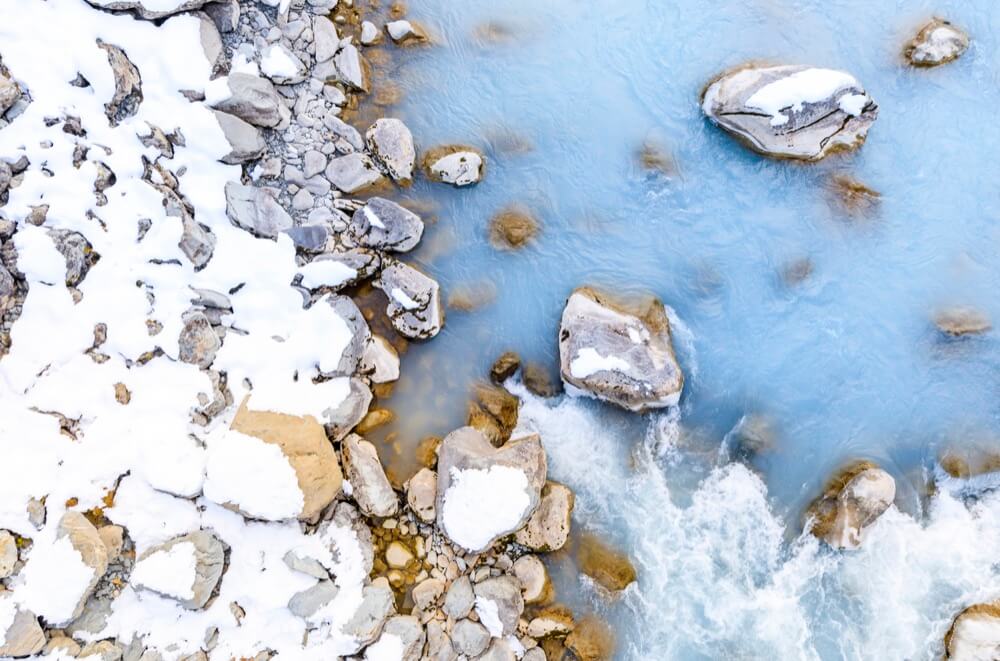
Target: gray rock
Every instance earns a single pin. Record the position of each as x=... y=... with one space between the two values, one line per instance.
x=8 y=289
x=308 y=602
x=468 y=449
x=209 y=561
x=225 y=14
x=408 y=630
x=534 y=654
x=372 y=491
x=369 y=34
x=77 y=252
x=377 y=604
x=427 y=593
x=610 y=353
x=309 y=238
x=347 y=309
x=244 y=138
x=454 y=164
x=534 y=579
x=146 y=9
x=255 y=210
x=8 y=553
x=273 y=61
x=198 y=342
x=380 y=361
x=797 y=112
x=548 y=528
x=439 y=647
x=391 y=145
x=197 y=242
x=325 y=38
x=421 y=492
x=353 y=172
x=303 y=200
x=343 y=130
x=253 y=99
x=313 y=162
x=501 y=650
x=347 y=414
x=84 y=538
x=351 y=68
x=306 y=565
x=500 y=595
x=460 y=599
x=385 y=225
x=414 y=300
x=128 y=85
x=211 y=43
x=23 y=637
x=470 y=638
x=937 y=42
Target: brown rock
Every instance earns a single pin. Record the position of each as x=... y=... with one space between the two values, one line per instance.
x=504 y=367
x=853 y=197
x=592 y=640
x=965 y=461
x=548 y=528
x=611 y=568
x=552 y=621
x=538 y=381
x=853 y=498
x=974 y=634
x=513 y=228
x=303 y=440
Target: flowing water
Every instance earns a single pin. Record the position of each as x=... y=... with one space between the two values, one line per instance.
x=845 y=363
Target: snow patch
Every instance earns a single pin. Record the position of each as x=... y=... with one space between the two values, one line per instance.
x=481 y=504
x=53 y=581
x=792 y=92
x=326 y=273
x=170 y=572
x=388 y=647
x=588 y=361
x=489 y=615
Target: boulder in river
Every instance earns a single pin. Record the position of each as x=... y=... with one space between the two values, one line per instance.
x=406 y=32
x=610 y=568
x=937 y=42
x=391 y=145
x=457 y=165
x=414 y=300
x=385 y=225
x=618 y=356
x=186 y=568
x=791 y=111
x=548 y=528
x=485 y=493
x=853 y=499
x=974 y=634
x=513 y=228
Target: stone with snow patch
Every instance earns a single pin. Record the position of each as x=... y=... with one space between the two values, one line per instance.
x=128 y=85
x=391 y=145
x=853 y=499
x=377 y=605
x=225 y=14
x=186 y=569
x=623 y=357
x=281 y=65
x=353 y=172
x=499 y=604
x=457 y=165
x=791 y=111
x=10 y=92
x=380 y=361
x=372 y=491
x=251 y=98
x=150 y=9
x=384 y=225
x=341 y=268
x=306 y=603
x=414 y=300
x=485 y=493
x=350 y=358
x=405 y=32
x=255 y=210
x=369 y=34
x=402 y=639
x=343 y=417
x=198 y=341
x=974 y=634
x=937 y=42
x=245 y=139
x=548 y=528
x=20 y=633
x=470 y=638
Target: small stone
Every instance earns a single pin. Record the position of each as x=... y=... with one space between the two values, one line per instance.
x=372 y=490
x=397 y=555
x=960 y=321
x=405 y=32
x=128 y=85
x=380 y=361
x=198 y=342
x=938 y=42
x=454 y=164
x=535 y=585
x=505 y=367
x=460 y=599
x=470 y=638
x=420 y=494
x=370 y=34
x=610 y=568
x=303 y=200
x=427 y=594
x=313 y=162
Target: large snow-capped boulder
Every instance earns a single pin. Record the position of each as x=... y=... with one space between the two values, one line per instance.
x=854 y=497
x=791 y=111
x=485 y=493
x=385 y=225
x=616 y=355
x=937 y=42
x=414 y=300
x=272 y=466
x=187 y=568
x=974 y=634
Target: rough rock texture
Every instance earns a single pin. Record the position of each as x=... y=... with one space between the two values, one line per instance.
x=23 y=637
x=466 y=448
x=346 y=415
x=209 y=561
x=255 y=210
x=380 y=361
x=244 y=138
x=610 y=568
x=505 y=367
x=198 y=342
x=454 y=164
x=470 y=638
x=353 y=172
x=853 y=499
x=791 y=111
x=612 y=354
x=308 y=602
x=460 y=599
x=385 y=225
x=8 y=553
x=371 y=488
x=147 y=9
x=253 y=99
x=391 y=145
x=495 y=414
x=128 y=85
x=505 y=593
x=535 y=584
x=83 y=536
x=377 y=604
x=552 y=621
x=409 y=632
x=548 y=528
x=937 y=42
x=303 y=441
x=414 y=300
x=421 y=492
x=974 y=634
x=591 y=640
x=962 y=320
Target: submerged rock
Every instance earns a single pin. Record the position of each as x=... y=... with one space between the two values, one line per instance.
x=591 y=640
x=391 y=145
x=974 y=634
x=791 y=111
x=187 y=568
x=485 y=493
x=610 y=568
x=969 y=460
x=495 y=414
x=853 y=499
x=513 y=228
x=853 y=197
x=454 y=164
x=617 y=356
x=937 y=42
x=505 y=367
x=385 y=225
x=414 y=300
x=962 y=320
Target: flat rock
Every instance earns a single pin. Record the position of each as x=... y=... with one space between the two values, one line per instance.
x=380 y=361
x=534 y=578
x=853 y=499
x=548 y=528
x=8 y=553
x=414 y=308
x=255 y=210
x=198 y=342
x=427 y=594
x=616 y=355
x=421 y=492
x=244 y=138
x=20 y=633
x=350 y=68
x=326 y=41
x=377 y=604
x=186 y=568
x=460 y=598
x=938 y=42
x=150 y=9
x=499 y=604
x=791 y=111
x=353 y=172
x=391 y=145
x=401 y=631
x=974 y=634
x=457 y=165
x=385 y=225
x=342 y=418
x=470 y=638
x=253 y=99
x=371 y=488
x=485 y=493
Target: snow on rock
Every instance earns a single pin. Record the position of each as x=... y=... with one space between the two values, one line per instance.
x=385 y=225
x=414 y=308
x=281 y=65
x=853 y=499
x=616 y=355
x=975 y=634
x=499 y=604
x=457 y=165
x=484 y=493
x=791 y=111
x=937 y=42
x=186 y=568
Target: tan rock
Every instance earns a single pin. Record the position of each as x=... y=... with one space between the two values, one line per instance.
x=591 y=640
x=303 y=440
x=113 y=538
x=372 y=490
x=421 y=492
x=22 y=637
x=495 y=415
x=8 y=553
x=553 y=621
x=535 y=584
x=83 y=536
x=611 y=569
x=513 y=228
x=974 y=634
x=397 y=555
x=962 y=320
x=854 y=497
x=548 y=528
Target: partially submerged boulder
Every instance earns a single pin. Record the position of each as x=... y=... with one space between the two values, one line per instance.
x=618 y=356
x=549 y=526
x=186 y=568
x=485 y=493
x=791 y=111
x=959 y=321
x=414 y=300
x=974 y=634
x=853 y=499
x=391 y=145
x=513 y=228
x=457 y=165
x=610 y=568
x=937 y=42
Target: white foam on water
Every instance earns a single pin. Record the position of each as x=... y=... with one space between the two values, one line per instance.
x=726 y=576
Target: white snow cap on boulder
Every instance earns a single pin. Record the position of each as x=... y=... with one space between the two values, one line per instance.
x=615 y=355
